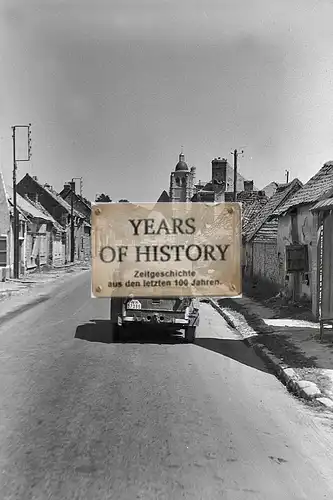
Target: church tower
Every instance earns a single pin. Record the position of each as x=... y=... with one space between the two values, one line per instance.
x=182 y=181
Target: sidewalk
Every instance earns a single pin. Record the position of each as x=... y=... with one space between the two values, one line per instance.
x=19 y=295
x=291 y=346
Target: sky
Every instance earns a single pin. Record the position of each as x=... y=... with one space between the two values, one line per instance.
x=114 y=88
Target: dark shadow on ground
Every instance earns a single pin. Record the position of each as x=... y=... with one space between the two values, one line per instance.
x=265 y=294
x=233 y=349
x=278 y=343
x=253 y=320
x=98 y=330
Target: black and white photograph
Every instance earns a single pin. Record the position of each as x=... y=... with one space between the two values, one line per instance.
x=166 y=250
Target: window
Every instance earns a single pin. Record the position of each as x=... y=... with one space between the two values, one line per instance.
x=297 y=259
x=3 y=251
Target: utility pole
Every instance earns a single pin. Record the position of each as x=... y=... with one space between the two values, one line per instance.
x=16 y=228
x=72 y=185
x=235 y=153
x=16 y=222
x=73 y=191
x=287 y=175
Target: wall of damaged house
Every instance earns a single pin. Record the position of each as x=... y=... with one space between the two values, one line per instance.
x=247 y=259
x=86 y=243
x=37 y=245
x=265 y=261
x=58 y=249
x=44 y=246
x=261 y=265
x=297 y=254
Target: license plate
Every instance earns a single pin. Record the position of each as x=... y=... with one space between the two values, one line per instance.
x=134 y=304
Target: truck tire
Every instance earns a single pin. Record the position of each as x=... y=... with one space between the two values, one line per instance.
x=190 y=332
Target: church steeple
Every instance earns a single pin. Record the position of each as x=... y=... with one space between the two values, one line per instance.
x=182 y=181
x=181 y=165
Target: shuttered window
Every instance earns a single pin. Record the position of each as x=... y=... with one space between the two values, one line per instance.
x=3 y=251
x=297 y=259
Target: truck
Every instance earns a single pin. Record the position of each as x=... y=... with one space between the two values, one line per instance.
x=167 y=313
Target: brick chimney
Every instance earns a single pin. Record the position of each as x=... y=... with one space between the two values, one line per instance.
x=248 y=186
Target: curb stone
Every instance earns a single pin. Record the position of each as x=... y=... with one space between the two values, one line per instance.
x=302 y=388
x=30 y=303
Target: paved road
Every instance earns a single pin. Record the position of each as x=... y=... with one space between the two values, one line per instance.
x=85 y=419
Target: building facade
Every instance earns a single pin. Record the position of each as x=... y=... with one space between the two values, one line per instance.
x=60 y=210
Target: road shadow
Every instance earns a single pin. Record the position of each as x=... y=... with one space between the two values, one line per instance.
x=234 y=349
x=100 y=331
x=152 y=336
x=97 y=330
x=286 y=341
x=294 y=341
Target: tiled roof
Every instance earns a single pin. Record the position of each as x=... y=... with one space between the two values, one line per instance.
x=22 y=215
x=40 y=207
x=323 y=205
x=61 y=201
x=250 y=196
x=250 y=211
x=270 y=189
x=268 y=232
x=316 y=188
x=67 y=189
x=84 y=200
x=203 y=195
x=26 y=207
x=56 y=196
x=284 y=192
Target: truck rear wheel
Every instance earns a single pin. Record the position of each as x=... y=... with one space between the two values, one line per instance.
x=190 y=332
